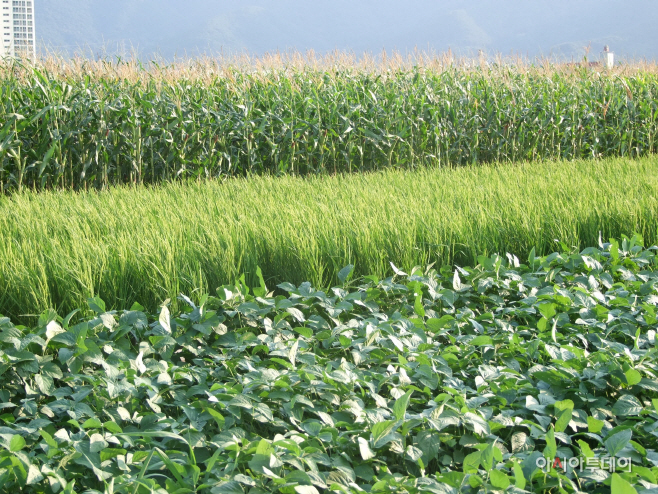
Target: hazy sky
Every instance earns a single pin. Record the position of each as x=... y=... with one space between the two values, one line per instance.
x=188 y=27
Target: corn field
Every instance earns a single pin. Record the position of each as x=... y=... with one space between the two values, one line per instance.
x=89 y=125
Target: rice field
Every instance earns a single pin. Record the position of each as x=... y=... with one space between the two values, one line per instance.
x=84 y=124
x=148 y=244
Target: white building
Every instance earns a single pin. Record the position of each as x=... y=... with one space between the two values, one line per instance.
x=18 y=36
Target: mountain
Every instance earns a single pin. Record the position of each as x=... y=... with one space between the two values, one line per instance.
x=171 y=28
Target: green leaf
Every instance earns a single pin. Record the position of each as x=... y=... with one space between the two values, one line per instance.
x=109 y=453
x=560 y=406
x=219 y=418
x=261 y=291
x=112 y=427
x=305 y=332
x=615 y=443
x=435 y=325
x=296 y=476
x=160 y=434
x=92 y=424
x=297 y=314
x=585 y=450
x=48 y=438
x=401 y=404
x=53 y=329
x=284 y=363
x=364 y=448
x=306 y=489
x=345 y=274
x=381 y=431
x=45 y=384
x=97 y=443
x=551 y=447
x=499 y=480
x=519 y=441
x=627 y=405
x=230 y=487
x=292 y=353
x=482 y=340
x=92 y=461
x=639 y=448
x=456 y=282
x=594 y=425
x=418 y=305
x=547 y=310
x=52 y=370
x=176 y=470
x=614 y=250
x=633 y=377
x=645 y=473
x=487 y=457
x=414 y=454
x=34 y=476
x=472 y=462
x=562 y=422
x=97 y=305
x=259 y=462
x=429 y=443
x=165 y=319
x=619 y=486
x=16 y=443
x=519 y=478
x=264 y=448
x=477 y=424
x=531 y=264
x=134 y=318
x=475 y=481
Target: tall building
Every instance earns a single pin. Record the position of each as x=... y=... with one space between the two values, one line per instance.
x=18 y=36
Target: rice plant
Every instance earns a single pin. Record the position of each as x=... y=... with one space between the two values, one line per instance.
x=147 y=244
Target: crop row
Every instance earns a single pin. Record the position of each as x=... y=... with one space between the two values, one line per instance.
x=83 y=130
x=440 y=381
x=147 y=244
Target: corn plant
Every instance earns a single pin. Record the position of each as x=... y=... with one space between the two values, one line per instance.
x=94 y=128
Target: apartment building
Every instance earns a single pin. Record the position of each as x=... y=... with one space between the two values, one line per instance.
x=17 y=24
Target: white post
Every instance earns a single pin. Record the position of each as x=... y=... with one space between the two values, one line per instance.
x=608 y=57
